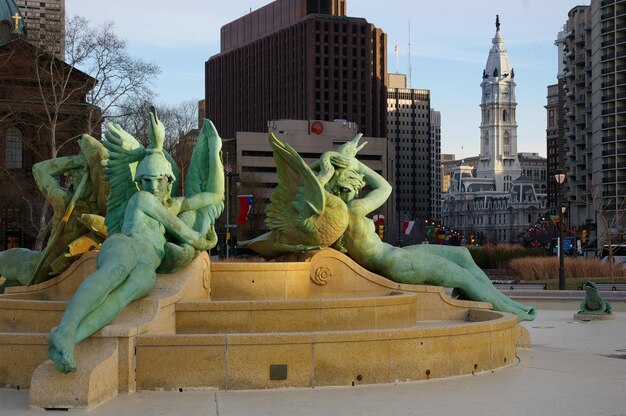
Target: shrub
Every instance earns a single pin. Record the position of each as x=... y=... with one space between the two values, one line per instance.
x=500 y=256
x=535 y=268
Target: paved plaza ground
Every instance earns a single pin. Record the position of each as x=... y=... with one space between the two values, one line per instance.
x=573 y=368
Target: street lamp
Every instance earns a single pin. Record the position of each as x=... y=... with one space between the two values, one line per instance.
x=229 y=226
x=559 y=177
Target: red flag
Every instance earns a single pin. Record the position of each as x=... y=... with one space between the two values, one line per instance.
x=245 y=205
x=407 y=226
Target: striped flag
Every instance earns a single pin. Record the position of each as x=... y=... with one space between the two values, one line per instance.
x=407 y=226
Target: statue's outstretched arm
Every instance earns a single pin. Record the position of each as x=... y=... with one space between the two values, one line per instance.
x=45 y=174
x=378 y=196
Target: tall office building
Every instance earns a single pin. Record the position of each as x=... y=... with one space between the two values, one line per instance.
x=409 y=129
x=45 y=23
x=608 y=100
x=298 y=59
x=554 y=138
x=435 y=164
x=577 y=142
x=594 y=48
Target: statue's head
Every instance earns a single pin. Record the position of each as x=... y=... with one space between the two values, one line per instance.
x=351 y=148
x=590 y=288
x=154 y=173
x=346 y=184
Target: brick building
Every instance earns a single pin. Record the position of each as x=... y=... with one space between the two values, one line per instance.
x=34 y=126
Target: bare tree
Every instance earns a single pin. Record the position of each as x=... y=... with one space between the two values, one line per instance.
x=179 y=120
x=610 y=211
x=122 y=79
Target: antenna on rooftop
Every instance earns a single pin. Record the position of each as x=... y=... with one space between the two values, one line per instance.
x=409 y=54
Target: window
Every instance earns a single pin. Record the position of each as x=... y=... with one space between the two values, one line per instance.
x=13 y=146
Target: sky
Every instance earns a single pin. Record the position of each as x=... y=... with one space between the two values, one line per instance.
x=450 y=42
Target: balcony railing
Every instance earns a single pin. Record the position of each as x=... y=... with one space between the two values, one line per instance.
x=609 y=70
x=607 y=29
x=608 y=139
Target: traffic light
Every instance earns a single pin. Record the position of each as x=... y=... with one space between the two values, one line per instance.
x=381 y=231
x=583 y=236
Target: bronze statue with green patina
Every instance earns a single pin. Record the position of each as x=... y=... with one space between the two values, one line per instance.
x=420 y=264
x=592 y=303
x=302 y=216
x=75 y=188
x=148 y=229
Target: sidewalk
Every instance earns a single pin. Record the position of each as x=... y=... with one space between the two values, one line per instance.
x=574 y=368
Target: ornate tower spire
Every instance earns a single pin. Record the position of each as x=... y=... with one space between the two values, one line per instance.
x=498 y=127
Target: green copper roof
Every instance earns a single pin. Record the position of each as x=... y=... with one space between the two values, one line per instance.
x=8 y=8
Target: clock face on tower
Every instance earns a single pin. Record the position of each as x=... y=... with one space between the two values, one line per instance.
x=487 y=93
x=506 y=92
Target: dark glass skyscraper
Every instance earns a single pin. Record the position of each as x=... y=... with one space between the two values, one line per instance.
x=298 y=59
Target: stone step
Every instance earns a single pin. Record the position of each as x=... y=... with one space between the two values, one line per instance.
x=30 y=316
x=393 y=309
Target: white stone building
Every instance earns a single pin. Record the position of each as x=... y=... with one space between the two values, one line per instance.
x=498 y=203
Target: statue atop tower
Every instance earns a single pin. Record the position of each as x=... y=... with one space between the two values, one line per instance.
x=498 y=128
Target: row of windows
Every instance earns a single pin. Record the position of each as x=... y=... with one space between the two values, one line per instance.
x=340 y=27
x=344 y=51
x=407 y=123
x=424 y=201
x=390 y=132
x=412 y=140
x=391 y=104
x=535 y=173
